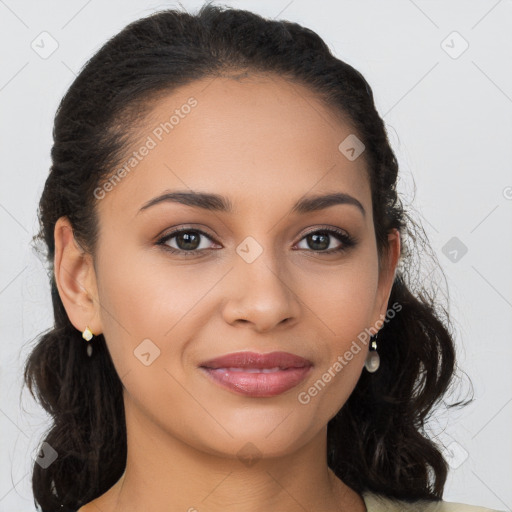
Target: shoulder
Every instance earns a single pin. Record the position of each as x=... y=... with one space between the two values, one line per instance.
x=377 y=503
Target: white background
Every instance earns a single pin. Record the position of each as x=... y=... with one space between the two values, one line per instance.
x=450 y=124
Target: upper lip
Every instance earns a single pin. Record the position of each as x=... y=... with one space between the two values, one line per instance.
x=257 y=360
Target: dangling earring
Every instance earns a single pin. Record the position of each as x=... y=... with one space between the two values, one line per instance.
x=87 y=335
x=372 y=362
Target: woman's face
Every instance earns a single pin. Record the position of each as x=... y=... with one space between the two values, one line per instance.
x=252 y=281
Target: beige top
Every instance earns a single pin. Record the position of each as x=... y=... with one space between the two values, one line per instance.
x=376 y=503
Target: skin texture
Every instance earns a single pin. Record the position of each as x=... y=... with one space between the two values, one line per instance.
x=264 y=143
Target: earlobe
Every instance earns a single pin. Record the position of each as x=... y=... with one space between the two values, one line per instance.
x=75 y=278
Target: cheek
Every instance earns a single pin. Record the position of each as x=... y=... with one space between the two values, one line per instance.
x=343 y=303
x=136 y=288
x=344 y=297
x=144 y=296
x=129 y=293
x=144 y=309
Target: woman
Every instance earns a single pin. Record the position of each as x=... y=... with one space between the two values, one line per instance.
x=226 y=236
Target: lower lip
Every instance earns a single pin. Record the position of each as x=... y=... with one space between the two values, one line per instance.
x=258 y=384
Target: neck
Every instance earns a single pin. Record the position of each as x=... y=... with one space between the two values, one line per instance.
x=163 y=473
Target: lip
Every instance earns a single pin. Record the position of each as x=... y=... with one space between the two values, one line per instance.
x=258 y=375
x=255 y=360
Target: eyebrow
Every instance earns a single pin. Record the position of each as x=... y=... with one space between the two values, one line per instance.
x=218 y=203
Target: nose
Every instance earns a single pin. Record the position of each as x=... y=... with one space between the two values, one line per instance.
x=261 y=293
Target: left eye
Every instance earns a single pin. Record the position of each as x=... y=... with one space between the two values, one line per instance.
x=322 y=238
x=188 y=241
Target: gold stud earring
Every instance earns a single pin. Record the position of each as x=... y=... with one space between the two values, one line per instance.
x=87 y=335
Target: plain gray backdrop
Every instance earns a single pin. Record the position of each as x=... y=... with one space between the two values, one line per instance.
x=441 y=75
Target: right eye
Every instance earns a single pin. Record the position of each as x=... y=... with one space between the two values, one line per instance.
x=188 y=241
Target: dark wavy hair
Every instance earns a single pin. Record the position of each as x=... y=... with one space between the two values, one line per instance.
x=379 y=440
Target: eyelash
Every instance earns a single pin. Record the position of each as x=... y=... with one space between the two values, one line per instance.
x=347 y=241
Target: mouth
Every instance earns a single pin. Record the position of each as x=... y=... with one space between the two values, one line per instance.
x=258 y=375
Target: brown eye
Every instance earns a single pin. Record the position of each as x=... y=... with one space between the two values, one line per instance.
x=319 y=241
x=188 y=241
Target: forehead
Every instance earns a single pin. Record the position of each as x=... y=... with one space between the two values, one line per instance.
x=261 y=141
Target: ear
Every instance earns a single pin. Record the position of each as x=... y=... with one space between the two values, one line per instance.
x=76 y=279
x=387 y=274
